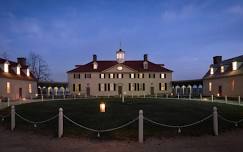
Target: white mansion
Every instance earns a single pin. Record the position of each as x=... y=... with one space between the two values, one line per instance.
x=117 y=77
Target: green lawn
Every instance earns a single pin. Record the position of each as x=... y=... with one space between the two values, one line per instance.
x=86 y=112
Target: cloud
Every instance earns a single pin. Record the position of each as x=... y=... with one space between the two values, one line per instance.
x=236 y=9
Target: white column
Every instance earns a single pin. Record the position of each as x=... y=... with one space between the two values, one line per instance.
x=60 y=123
x=212 y=98
x=215 y=121
x=12 y=118
x=140 y=126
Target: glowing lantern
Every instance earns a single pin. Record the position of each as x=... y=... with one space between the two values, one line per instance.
x=102 y=107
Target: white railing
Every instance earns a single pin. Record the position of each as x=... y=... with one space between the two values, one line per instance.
x=140 y=119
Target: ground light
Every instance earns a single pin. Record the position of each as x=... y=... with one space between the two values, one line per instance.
x=102 y=107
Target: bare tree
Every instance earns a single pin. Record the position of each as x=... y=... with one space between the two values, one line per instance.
x=4 y=55
x=38 y=67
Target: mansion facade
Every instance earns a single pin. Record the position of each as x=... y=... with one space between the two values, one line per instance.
x=16 y=80
x=118 y=77
x=224 y=77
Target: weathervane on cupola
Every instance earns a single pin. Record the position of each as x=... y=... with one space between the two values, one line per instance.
x=120 y=55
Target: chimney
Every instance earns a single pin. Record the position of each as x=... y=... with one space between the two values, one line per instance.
x=217 y=59
x=22 y=61
x=94 y=58
x=145 y=57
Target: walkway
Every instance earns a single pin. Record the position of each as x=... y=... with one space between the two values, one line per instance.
x=22 y=142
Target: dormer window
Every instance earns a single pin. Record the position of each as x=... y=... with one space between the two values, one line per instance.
x=95 y=65
x=222 y=69
x=28 y=72
x=211 y=71
x=234 y=65
x=18 y=70
x=6 y=67
x=145 y=65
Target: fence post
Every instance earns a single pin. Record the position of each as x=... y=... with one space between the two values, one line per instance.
x=53 y=97
x=190 y=96
x=42 y=98
x=226 y=99
x=239 y=99
x=201 y=97
x=143 y=95
x=60 y=123
x=215 y=121
x=167 y=96
x=178 y=96
x=212 y=98
x=122 y=98
x=140 y=127
x=132 y=95
x=156 y=95
x=12 y=118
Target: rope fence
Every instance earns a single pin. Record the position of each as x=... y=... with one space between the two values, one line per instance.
x=215 y=116
x=230 y=121
x=36 y=122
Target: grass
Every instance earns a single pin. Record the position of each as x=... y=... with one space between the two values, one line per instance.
x=86 y=112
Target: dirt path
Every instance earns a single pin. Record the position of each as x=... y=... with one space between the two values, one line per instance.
x=27 y=142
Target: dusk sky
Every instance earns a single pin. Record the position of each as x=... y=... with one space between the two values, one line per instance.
x=182 y=34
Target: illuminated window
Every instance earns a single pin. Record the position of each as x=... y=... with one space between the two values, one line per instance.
x=162 y=76
x=222 y=69
x=162 y=86
x=132 y=76
x=234 y=65
x=28 y=72
x=6 y=67
x=120 y=76
x=111 y=87
x=141 y=75
x=102 y=76
x=8 y=87
x=111 y=75
x=95 y=65
x=211 y=71
x=210 y=86
x=102 y=87
x=30 y=88
x=18 y=70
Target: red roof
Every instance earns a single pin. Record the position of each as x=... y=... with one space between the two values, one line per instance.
x=12 y=75
x=136 y=65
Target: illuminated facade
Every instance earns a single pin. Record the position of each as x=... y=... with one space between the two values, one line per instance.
x=16 y=81
x=117 y=77
x=226 y=78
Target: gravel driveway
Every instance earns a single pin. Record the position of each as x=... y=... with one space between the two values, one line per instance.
x=27 y=142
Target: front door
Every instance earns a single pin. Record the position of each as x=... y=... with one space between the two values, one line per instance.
x=152 y=90
x=20 y=93
x=119 y=90
x=220 y=90
x=88 y=91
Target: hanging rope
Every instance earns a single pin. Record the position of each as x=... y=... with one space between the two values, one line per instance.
x=101 y=130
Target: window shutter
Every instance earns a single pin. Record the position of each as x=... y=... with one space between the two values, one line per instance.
x=165 y=86
x=99 y=87
x=143 y=86
x=160 y=86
